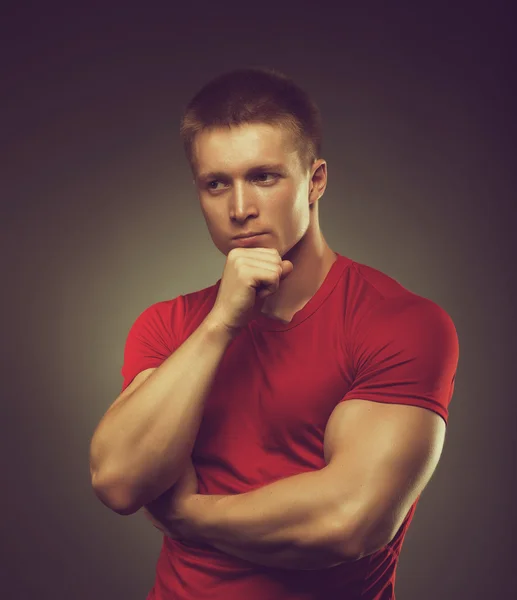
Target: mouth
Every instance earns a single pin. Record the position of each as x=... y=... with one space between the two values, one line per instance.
x=249 y=239
x=248 y=235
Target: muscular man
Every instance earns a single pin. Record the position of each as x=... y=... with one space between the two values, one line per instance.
x=280 y=425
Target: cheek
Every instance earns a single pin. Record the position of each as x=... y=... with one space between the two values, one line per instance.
x=300 y=216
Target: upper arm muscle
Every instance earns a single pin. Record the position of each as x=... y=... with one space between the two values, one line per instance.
x=380 y=457
x=132 y=387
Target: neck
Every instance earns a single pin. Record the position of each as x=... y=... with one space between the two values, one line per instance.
x=312 y=259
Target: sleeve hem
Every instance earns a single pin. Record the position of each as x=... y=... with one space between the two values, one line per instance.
x=143 y=367
x=436 y=408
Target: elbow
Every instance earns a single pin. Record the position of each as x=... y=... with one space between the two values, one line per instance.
x=353 y=548
x=114 y=496
x=347 y=545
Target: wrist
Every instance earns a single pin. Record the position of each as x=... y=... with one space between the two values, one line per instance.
x=218 y=331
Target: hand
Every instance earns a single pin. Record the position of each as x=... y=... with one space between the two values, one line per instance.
x=250 y=275
x=168 y=512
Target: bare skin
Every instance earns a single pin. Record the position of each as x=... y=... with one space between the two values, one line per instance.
x=282 y=201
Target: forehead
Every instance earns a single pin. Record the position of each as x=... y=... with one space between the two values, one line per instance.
x=239 y=148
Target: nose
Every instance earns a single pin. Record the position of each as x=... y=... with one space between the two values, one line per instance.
x=242 y=203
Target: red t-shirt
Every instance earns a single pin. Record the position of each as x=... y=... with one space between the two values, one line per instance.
x=362 y=335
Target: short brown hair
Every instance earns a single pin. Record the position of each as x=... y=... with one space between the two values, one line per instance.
x=254 y=95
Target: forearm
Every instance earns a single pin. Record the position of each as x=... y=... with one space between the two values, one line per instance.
x=297 y=558
x=141 y=445
x=291 y=523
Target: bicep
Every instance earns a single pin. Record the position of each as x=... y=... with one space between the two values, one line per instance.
x=132 y=387
x=381 y=457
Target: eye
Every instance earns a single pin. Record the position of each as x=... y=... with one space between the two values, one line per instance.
x=259 y=177
x=209 y=184
x=266 y=174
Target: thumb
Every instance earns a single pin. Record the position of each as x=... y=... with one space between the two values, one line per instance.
x=287 y=268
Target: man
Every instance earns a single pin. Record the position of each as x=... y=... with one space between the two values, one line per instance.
x=280 y=425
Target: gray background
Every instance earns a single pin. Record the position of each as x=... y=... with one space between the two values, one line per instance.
x=100 y=220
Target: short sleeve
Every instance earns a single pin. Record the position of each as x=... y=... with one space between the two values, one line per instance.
x=152 y=338
x=405 y=353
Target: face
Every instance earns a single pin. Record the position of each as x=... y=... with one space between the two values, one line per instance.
x=249 y=179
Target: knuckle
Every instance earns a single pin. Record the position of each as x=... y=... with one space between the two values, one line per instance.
x=238 y=262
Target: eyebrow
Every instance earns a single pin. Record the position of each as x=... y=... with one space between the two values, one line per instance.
x=253 y=170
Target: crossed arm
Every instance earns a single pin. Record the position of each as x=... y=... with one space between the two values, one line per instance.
x=379 y=459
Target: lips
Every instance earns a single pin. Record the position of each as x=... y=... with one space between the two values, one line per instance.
x=246 y=235
x=250 y=241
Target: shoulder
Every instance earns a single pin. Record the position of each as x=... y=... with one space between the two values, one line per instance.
x=376 y=285
x=382 y=310
x=181 y=315
x=159 y=313
x=177 y=308
x=383 y=297
x=199 y=298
